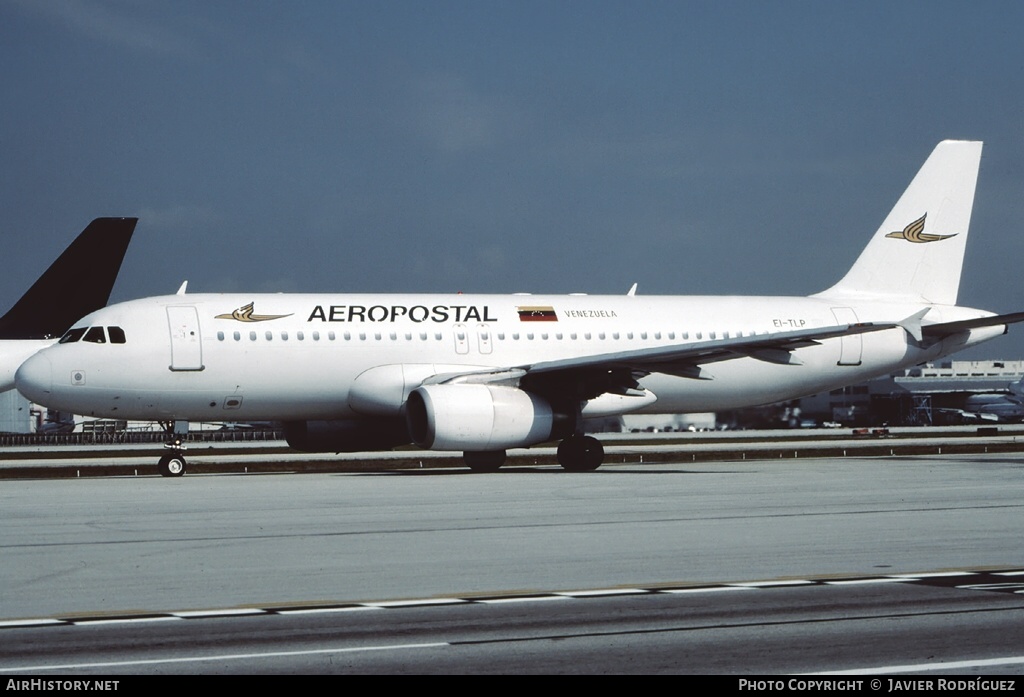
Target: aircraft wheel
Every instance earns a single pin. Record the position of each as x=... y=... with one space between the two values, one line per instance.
x=171 y=466
x=580 y=454
x=486 y=461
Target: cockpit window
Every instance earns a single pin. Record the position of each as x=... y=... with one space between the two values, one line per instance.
x=72 y=335
x=95 y=335
x=116 y=335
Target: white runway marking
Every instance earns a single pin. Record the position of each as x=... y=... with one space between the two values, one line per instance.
x=129 y=620
x=951 y=665
x=418 y=603
x=223 y=657
x=932 y=578
x=604 y=593
x=713 y=589
x=862 y=581
x=202 y=614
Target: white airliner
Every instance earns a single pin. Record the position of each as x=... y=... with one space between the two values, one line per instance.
x=998 y=407
x=484 y=373
x=78 y=282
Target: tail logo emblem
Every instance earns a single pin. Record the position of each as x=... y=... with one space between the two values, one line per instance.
x=244 y=314
x=915 y=233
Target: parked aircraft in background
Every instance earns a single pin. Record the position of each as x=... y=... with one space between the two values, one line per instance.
x=484 y=373
x=995 y=407
x=77 y=283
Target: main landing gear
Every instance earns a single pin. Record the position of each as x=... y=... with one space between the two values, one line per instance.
x=172 y=464
x=576 y=453
x=579 y=453
x=487 y=461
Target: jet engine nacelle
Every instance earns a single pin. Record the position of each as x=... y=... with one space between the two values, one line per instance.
x=478 y=417
x=345 y=436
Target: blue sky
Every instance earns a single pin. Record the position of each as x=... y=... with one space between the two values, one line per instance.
x=393 y=146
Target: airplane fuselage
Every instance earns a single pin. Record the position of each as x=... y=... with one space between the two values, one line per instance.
x=312 y=356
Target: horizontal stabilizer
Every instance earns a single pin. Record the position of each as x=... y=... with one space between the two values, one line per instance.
x=938 y=331
x=913 y=324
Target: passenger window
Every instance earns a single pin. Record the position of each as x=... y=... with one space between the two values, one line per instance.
x=95 y=335
x=73 y=335
x=116 y=335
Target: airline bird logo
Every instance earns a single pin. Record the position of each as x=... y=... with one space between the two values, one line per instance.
x=915 y=233
x=244 y=314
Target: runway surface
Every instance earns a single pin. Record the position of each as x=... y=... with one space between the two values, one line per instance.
x=763 y=566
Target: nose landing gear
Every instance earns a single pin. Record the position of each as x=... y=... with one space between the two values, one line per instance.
x=172 y=464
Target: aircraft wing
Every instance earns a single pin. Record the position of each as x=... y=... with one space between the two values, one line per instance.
x=969 y=416
x=682 y=359
x=617 y=372
x=587 y=377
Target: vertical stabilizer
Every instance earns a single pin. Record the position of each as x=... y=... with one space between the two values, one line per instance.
x=77 y=283
x=917 y=255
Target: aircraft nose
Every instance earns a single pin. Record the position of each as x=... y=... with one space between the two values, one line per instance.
x=34 y=378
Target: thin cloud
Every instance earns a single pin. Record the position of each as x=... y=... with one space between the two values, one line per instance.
x=110 y=22
x=454 y=118
x=179 y=218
